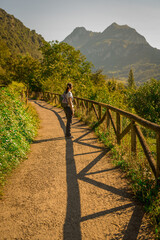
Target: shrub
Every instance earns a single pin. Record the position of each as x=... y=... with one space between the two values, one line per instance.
x=19 y=125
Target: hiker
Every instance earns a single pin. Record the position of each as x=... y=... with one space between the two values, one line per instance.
x=69 y=110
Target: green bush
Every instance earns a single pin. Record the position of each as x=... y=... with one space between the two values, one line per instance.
x=146 y=100
x=19 y=124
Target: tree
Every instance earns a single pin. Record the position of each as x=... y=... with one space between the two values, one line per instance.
x=98 y=78
x=131 y=83
x=26 y=69
x=146 y=101
x=4 y=56
x=61 y=63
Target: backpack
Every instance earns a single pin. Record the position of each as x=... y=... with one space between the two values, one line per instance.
x=63 y=100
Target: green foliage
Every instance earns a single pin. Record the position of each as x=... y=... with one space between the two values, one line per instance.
x=27 y=70
x=131 y=83
x=19 y=47
x=146 y=100
x=154 y=211
x=16 y=87
x=4 y=52
x=18 y=127
x=18 y=38
x=61 y=64
x=4 y=55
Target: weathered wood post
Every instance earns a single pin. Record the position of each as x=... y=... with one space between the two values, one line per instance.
x=48 y=96
x=77 y=105
x=91 y=106
x=108 y=119
x=52 y=98
x=133 y=139
x=100 y=111
x=55 y=99
x=44 y=96
x=84 y=106
x=81 y=106
x=27 y=96
x=59 y=99
x=158 y=157
x=87 y=107
x=118 y=122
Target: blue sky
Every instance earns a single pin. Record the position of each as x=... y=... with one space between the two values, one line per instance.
x=56 y=19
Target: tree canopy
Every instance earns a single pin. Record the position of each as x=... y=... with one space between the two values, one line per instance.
x=61 y=63
x=131 y=83
x=146 y=100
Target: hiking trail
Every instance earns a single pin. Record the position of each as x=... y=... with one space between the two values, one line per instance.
x=68 y=189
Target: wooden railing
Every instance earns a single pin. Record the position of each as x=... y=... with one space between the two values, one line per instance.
x=133 y=126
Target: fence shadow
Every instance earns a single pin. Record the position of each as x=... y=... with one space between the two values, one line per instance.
x=71 y=229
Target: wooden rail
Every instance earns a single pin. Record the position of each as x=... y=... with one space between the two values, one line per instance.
x=133 y=126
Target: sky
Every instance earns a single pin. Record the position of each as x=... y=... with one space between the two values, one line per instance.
x=56 y=19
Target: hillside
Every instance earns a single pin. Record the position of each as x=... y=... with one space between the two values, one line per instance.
x=18 y=38
x=116 y=50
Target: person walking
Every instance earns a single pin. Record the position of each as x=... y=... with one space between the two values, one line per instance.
x=69 y=110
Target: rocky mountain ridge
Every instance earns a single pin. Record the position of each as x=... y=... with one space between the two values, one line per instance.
x=117 y=49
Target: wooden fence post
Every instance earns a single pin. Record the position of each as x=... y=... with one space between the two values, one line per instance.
x=133 y=139
x=91 y=106
x=87 y=106
x=52 y=98
x=82 y=107
x=108 y=120
x=58 y=99
x=158 y=156
x=100 y=111
x=118 y=121
x=77 y=105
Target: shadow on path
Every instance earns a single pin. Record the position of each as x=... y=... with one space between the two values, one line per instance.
x=72 y=229
x=48 y=140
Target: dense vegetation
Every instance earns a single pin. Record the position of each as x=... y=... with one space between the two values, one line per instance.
x=61 y=63
x=146 y=100
x=19 y=124
x=18 y=38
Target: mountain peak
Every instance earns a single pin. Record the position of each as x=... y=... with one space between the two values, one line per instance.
x=114 y=26
x=79 y=30
x=124 y=33
x=79 y=37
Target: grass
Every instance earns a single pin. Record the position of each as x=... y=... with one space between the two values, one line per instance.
x=19 y=124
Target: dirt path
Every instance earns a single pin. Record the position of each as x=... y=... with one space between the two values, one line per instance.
x=68 y=189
